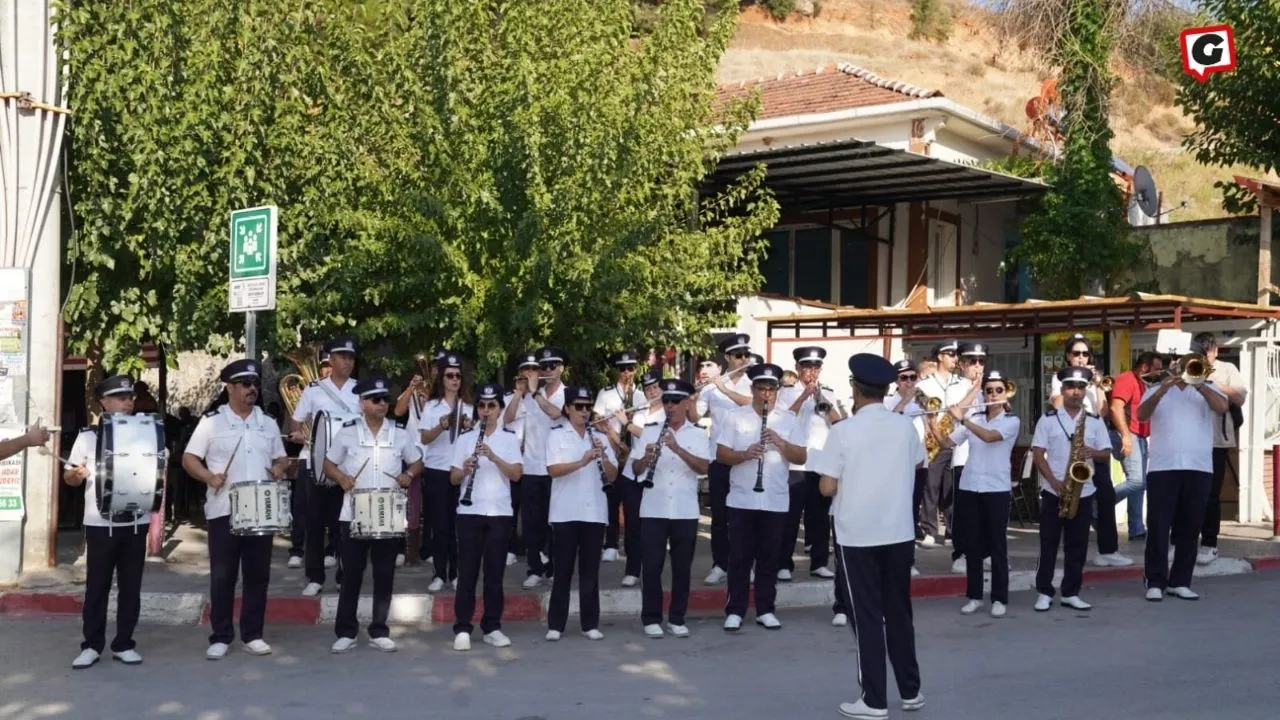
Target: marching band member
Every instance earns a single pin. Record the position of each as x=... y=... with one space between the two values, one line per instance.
x=448 y=412
x=984 y=491
x=335 y=395
x=868 y=465
x=243 y=443
x=904 y=402
x=948 y=386
x=1079 y=353
x=754 y=452
x=1051 y=453
x=484 y=467
x=973 y=361
x=669 y=511
x=806 y=502
x=110 y=548
x=616 y=400
x=368 y=452
x=302 y=482
x=721 y=397
x=580 y=463
x=409 y=405
x=1179 y=476
x=627 y=489
x=544 y=404
x=513 y=417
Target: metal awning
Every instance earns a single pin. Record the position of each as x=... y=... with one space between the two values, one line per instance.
x=1136 y=311
x=850 y=173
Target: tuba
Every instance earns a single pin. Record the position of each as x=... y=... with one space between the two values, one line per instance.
x=304 y=358
x=931 y=405
x=1079 y=472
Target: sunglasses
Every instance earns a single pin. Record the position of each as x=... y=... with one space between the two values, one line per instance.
x=453 y=376
x=487 y=405
x=582 y=407
x=907 y=378
x=377 y=400
x=976 y=360
x=246 y=383
x=948 y=353
x=1080 y=353
x=672 y=401
x=993 y=390
x=740 y=355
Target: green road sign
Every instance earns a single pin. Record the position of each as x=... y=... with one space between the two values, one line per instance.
x=253 y=259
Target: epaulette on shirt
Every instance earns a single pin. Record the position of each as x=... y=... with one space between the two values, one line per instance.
x=609 y=387
x=314 y=383
x=1092 y=415
x=350 y=423
x=87 y=428
x=507 y=429
x=557 y=426
x=464 y=432
x=212 y=413
x=1051 y=411
x=400 y=424
x=651 y=424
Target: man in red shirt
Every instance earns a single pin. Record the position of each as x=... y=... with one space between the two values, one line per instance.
x=1129 y=436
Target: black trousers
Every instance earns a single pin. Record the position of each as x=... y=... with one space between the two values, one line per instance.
x=1104 y=503
x=229 y=556
x=1073 y=535
x=1176 y=501
x=842 y=605
x=298 y=506
x=576 y=542
x=120 y=552
x=683 y=536
x=754 y=542
x=718 y=497
x=514 y=544
x=1213 y=504
x=956 y=519
x=917 y=499
x=440 y=502
x=482 y=543
x=535 y=491
x=811 y=506
x=324 y=505
x=986 y=522
x=357 y=553
x=938 y=490
x=878 y=581
x=626 y=492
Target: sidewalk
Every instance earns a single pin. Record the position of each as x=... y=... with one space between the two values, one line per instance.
x=176 y=592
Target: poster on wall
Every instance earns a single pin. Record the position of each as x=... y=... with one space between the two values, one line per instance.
x=13 y=386
x=11 y=505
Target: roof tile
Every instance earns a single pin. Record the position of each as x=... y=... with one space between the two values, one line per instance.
x=827 y=89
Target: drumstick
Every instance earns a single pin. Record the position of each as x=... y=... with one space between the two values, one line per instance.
x=66 y=464
x=227 y=467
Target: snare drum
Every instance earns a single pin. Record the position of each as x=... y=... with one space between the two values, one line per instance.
x=131 y=465
x=260 y=507
x=378 y=513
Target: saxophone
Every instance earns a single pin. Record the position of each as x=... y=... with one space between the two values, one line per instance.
x=1079 y=472
x=932 y=405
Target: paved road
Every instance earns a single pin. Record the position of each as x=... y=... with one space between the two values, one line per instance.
x=1127 y=659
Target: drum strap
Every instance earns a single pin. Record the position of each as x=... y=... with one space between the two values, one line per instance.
x=333 y=395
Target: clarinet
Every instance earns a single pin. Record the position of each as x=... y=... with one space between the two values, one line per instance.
x=653 y=466
x=764 y=422
x=605 y=484
x=475 y=456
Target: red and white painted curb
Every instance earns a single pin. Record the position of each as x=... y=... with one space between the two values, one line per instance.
x=427 y=610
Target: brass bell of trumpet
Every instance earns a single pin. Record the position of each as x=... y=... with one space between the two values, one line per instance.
x=1195 y=368
x=1106 y=382
x=1010 y=389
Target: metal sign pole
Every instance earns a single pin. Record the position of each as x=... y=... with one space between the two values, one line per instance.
x=251 y=334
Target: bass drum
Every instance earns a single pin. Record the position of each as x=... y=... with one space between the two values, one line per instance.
x=320 y=436
x=131 y=466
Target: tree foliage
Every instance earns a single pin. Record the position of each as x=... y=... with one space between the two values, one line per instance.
x=930 y=20
x=1237 y=113
x=484 y=175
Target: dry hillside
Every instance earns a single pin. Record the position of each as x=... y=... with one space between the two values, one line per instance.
x=973 y=70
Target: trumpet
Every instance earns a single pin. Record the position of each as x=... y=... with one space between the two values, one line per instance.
x=726 y=376
x=1194 y=367
x=423 y=365
x=609 y=417
x=1106 y=382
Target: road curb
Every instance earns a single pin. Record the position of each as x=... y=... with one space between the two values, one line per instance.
x=524 y=606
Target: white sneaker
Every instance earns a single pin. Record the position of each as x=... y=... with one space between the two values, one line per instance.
x=553 y=635
x=715 y=577
x=784 y=575
x=986 y=563
x=312 y=589
x=1184 y=593
x=971 y=607
x=400 y=560
x=1076 y=603
x=927 y=541
x=861 y=711
x=497 y=639
x=436 y=585
x=462 y=642
x=454 y=584
x=216 y=651
x=840 y=620
x=257 y=647
x=733 y=622
x=998 y=610
x=752 y=578
x=822 y=572
x=609 y=555
x=385 y=644
x=295 y=562
x=593 y=635
x=914 y=571
x=769 y=621
x=1206 y=555
x=87 y=658
x=545 y=560
x=1043 y=603
x=1112 y=560
x=342 y=645
x=511 y=559
x=679 y=631
x=653 y=631
x=1155 y=594
x=915 y=703
x=532 y=581
x=330 y=561
x=630 y=581
x=959 y=567
x=128 y=657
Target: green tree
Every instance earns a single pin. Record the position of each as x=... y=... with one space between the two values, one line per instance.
x=930 y=21
x=1078 y=237
x=1236 y=113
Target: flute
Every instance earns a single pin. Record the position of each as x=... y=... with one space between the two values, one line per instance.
x=475 y=457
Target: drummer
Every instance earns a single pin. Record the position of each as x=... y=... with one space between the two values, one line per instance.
x=233 y=444
x=367 y=454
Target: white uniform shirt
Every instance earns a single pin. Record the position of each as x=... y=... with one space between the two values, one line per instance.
x=813 y=426
x=989 y=468
x=720 y=405
x=643 y=419
x=740 y=431
x=1090 y=400
x=578 y=496
x=85 y=452
x=1053 y=433
x=1182 y=428
x=674 y=494
x=341 y=403
x=537 y=428
x=1224 y=428
x=387 y=454
x=951 y=391
x=216 y=437
x=911 y=410
x=610 y=400
x=516 y=425
x=438 y=454
x=491 y=490
x=873 y=454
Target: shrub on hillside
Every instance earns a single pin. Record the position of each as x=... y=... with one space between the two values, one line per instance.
x=930 y=20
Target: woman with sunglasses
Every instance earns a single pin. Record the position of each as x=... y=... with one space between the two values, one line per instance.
x=484 y=466
x=579 y=462
x=984 y=490
x=448 y=403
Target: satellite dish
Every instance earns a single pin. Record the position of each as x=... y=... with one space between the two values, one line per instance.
x=1144 y=191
